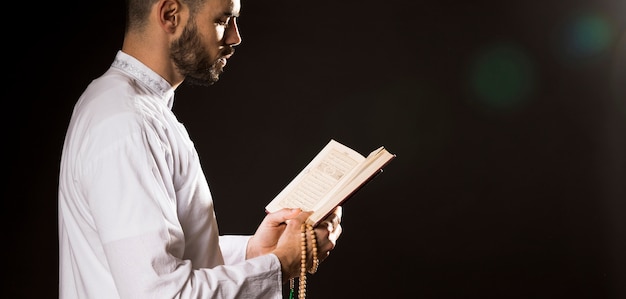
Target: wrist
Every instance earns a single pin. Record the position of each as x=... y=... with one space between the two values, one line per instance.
x=289 y=265
x=250 y=253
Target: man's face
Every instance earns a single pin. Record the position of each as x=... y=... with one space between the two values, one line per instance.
x=206 y=42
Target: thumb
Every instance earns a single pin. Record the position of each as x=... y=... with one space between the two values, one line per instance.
x=284 y=215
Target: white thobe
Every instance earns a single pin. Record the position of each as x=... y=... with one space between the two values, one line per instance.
x=136 y=216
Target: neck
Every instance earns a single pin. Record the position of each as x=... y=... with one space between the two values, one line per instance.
x=154 y=53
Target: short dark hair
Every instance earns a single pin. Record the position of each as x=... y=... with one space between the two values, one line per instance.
x=137 y=11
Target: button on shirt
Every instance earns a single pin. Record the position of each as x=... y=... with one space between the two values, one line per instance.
x=136 y=216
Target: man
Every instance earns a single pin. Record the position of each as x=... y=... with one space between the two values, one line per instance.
x=136 y=216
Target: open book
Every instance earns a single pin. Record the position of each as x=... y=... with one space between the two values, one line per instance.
x=332 y=177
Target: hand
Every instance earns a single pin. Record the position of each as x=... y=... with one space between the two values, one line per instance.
x=327 y=232
x=280 y=233
x=266 y=237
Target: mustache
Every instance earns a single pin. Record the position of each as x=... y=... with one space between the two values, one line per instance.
x=228 y=51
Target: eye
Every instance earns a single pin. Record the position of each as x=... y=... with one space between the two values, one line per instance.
x=223 y=21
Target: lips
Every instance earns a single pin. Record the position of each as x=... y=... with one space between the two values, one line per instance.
x=221 y=62
x=224 y=58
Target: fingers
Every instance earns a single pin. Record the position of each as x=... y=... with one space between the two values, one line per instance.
x=325 y=247
x=338 y=213
x=285 y=215
x=333 y=219
x=327 y=232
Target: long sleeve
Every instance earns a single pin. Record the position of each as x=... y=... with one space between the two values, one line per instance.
x=234 y=248
x=136 y=216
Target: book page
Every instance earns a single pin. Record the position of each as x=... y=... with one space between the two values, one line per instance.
x=365 y=171
x=324 y=173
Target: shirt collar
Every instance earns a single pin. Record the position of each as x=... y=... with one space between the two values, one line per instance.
x=144 y=74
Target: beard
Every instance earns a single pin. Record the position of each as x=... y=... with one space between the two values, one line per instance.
x=192 y=59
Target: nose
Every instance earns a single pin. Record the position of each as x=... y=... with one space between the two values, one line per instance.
x=233 y=37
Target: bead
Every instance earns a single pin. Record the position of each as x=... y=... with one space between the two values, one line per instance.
x=305 y=228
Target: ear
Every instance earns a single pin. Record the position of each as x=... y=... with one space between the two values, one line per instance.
x=169 y=14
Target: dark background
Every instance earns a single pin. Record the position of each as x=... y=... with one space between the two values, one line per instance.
x=508 y=120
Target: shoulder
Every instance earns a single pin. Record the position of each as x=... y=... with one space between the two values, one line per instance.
x=115 y=107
